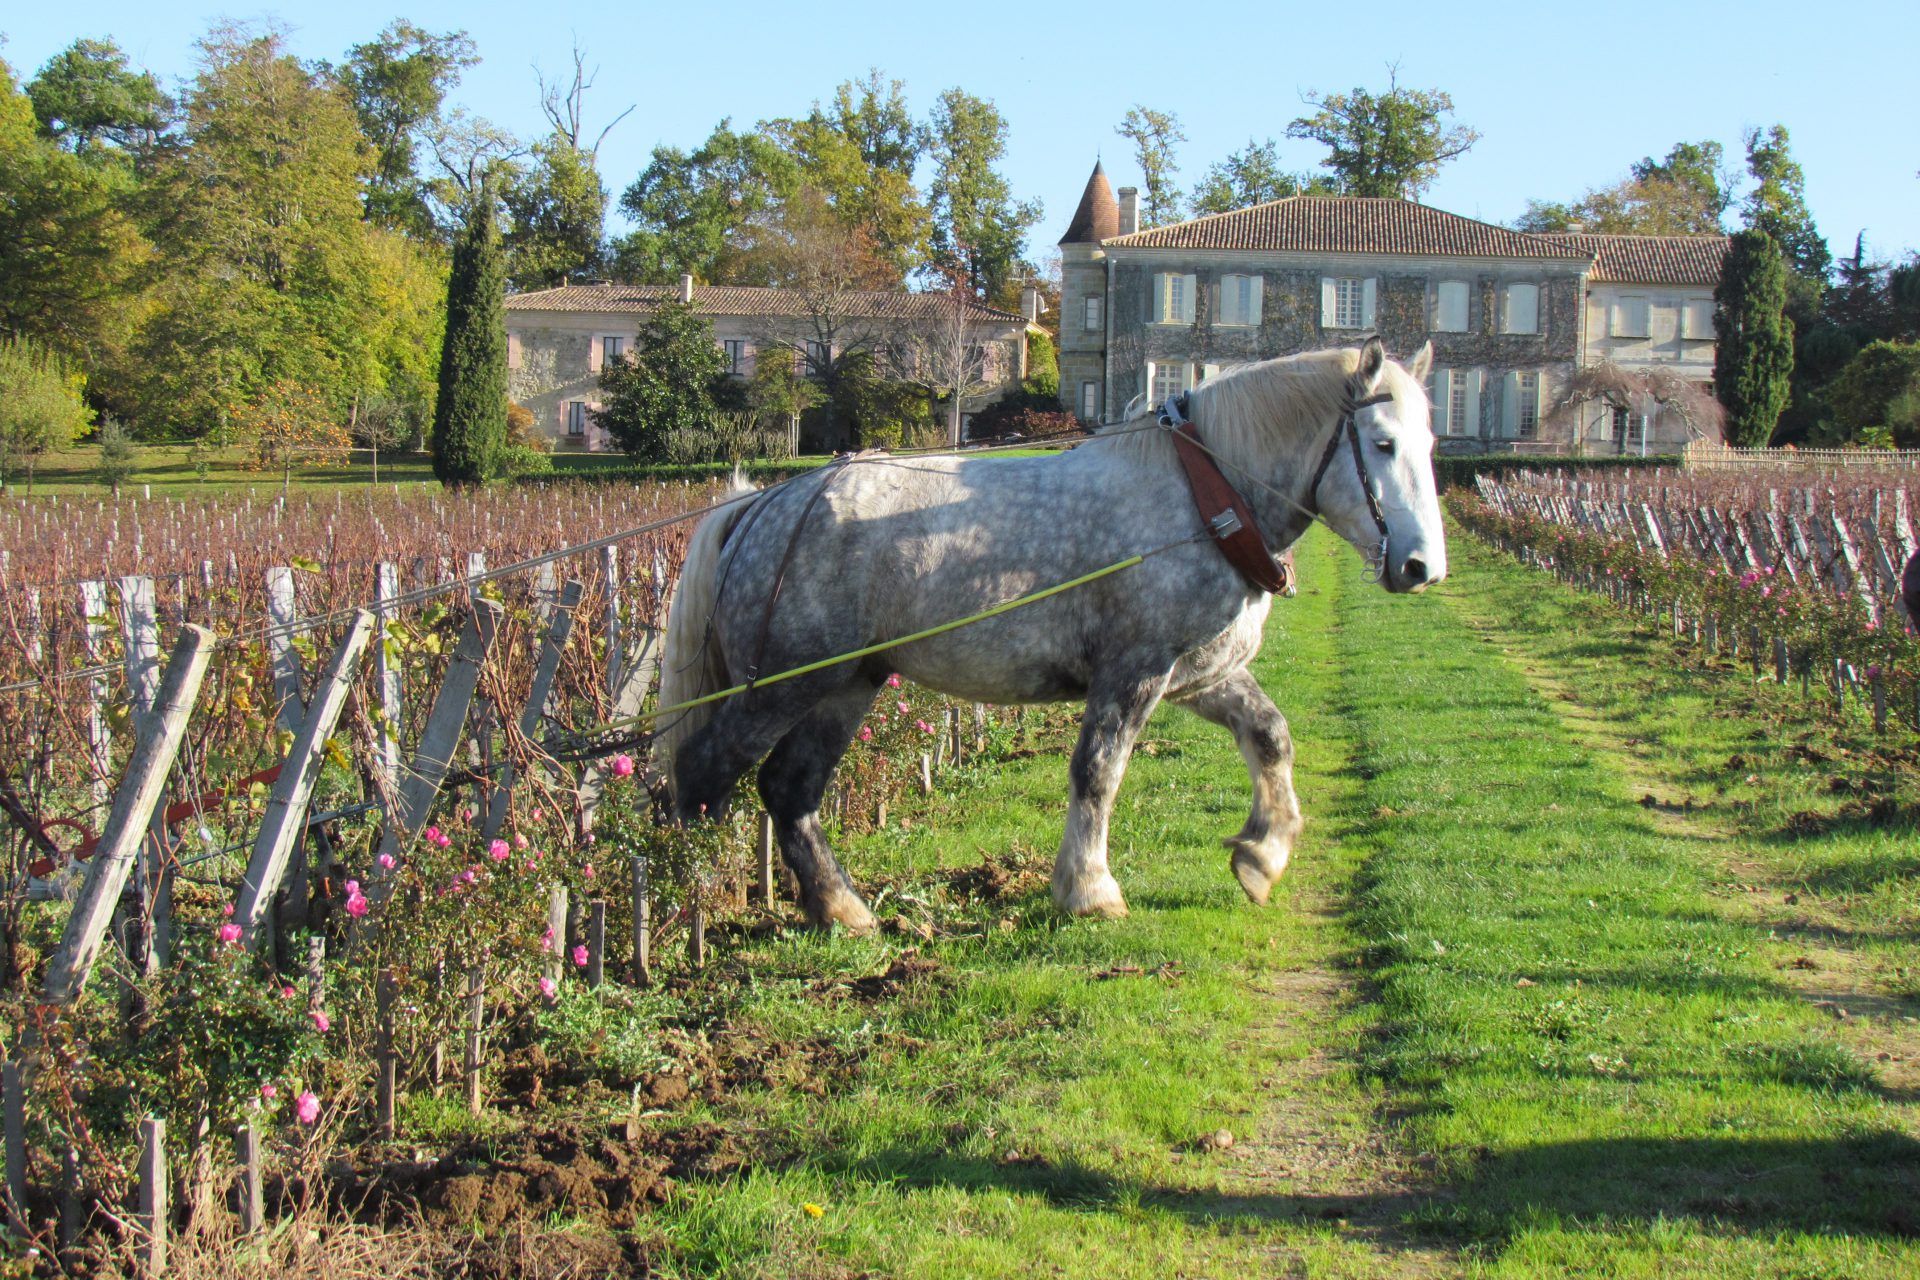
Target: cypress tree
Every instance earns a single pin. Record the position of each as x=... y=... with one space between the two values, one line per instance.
x=470 y=420
x=1754 y=360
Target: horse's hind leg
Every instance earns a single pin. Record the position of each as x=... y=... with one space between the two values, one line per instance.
x=792 y=781
x=1261 y=849
x=1117 y=709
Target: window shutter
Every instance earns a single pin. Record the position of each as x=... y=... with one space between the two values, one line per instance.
x=1326 y=302
x=1256 y=290
x=513 y=350
x=1208 y=372
x=1368 y=292
x=1471 y=427
x=1160 y=287
x=1146 y=379
x=1510 y=404
x=1188 y=296
x=1438 y=385
x=593 y=354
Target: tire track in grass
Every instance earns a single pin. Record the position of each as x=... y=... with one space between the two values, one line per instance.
x=1828 y=953
x=1609 y=1077
x=1315 y=1147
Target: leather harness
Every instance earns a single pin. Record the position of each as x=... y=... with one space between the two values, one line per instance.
x=1225 y=514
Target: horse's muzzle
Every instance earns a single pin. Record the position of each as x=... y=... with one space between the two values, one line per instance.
x=1412 y=575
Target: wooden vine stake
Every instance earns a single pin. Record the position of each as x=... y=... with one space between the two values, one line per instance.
x=15 y=1104
x=596 y=942
x=476 y=1027
x=386 y=1059
x=150 y=1247
x=764 y=850
x=252 y=1188
x=642 y=923
x=134 y=804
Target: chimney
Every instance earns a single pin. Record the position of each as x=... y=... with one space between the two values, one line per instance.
x=686 y=286
x=1129 y=210
x=1030 y=304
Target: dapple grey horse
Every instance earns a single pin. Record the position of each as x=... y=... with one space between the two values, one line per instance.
x=880 y=548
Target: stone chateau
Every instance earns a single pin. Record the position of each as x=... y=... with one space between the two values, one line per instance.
x=558 y=339
x=1511 y=315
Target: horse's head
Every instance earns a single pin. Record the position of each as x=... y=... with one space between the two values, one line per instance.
x=1395 y=435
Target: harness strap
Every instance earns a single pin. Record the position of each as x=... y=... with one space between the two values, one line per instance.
x=1348 y=428
x=1225 y=514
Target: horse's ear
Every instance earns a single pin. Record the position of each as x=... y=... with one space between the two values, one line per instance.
x=1373 y=358
x=1422 y=363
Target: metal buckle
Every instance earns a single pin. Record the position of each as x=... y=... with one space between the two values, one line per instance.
x=1226 y=524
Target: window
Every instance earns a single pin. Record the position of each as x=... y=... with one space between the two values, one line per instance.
x=1091 y=322
x=1526 y=418
x=1456 y=406
x=736 y=349
x=1522 y=309
x=1450 y=306
x=1090 y=400
x=576 y=419
x=1696 y=320
x=513 y=349
x=1167 y=380
x=612 y=347
x=1629 y=318
x=1173 y=296
x=1346 y=303
x=1240 y=300
x=815 y=357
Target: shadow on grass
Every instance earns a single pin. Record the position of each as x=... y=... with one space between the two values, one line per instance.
x=1863 y=1185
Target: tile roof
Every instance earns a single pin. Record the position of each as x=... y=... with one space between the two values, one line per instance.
x=1649 y=259
x=1098 y=217
x=1349 y=224
x=744 y=300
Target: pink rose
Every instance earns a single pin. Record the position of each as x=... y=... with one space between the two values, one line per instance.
x=586 y=872
x=580 y=956
x=623 y=766
x=269 y=1091
x=470 y=875
x=306 y=1108
x=287 y=993
x=466 y=814
x=866 y=733
x=227 y=910
x=387 y=862
x=230 y=934
x=499 y=850
x=539 y=814
x=548 y=987
x=519 y=841
x=353 y=888
x=546 y=939
x=433 y=835
x=903 y=708
x=357 y=906
x=321 y=1022
x=923 y=726
x=893 y=681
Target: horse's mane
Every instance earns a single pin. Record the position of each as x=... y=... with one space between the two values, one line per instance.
x=1247 y=410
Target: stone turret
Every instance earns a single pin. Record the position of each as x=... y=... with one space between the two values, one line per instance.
x=1083 y=298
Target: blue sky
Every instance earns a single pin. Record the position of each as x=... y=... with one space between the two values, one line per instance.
x=1565 y=96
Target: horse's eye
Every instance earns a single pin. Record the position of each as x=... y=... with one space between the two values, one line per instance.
x=1385 y=446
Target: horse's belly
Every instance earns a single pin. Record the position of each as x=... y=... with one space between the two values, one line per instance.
x=1224 y=654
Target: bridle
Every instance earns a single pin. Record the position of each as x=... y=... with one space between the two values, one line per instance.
x=1351 y=430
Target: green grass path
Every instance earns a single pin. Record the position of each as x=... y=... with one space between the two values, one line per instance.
x=1496 y=1022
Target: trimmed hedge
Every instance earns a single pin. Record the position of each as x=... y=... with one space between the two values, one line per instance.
x=1457 y=471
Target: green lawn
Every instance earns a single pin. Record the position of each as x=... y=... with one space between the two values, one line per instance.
x=1503 y=1018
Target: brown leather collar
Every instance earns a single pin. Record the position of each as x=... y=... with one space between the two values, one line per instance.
x=1226 y=515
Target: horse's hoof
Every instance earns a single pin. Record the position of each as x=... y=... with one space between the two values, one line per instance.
x=846 y=911
x=1257 y=869
x=1099 y=898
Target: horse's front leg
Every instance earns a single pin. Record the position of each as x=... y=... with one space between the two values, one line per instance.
x=1261 y=849
x=1117 y=709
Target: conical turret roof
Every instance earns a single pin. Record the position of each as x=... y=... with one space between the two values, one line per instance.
x=1098 y=215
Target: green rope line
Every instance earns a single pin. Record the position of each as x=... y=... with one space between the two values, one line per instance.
x=811 y=667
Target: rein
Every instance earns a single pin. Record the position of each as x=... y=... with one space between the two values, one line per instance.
x=1229 y=520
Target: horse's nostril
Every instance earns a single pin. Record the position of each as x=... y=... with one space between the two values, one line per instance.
x=1415 y=570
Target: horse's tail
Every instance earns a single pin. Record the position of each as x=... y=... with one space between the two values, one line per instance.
x=691 y=664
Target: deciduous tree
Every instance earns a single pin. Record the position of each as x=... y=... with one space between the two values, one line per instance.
x=977 y=224
x=42 y=407
x=398 y=83
x=1154 y=135
x=1385 y=144
x=691 y=210
x=1753 y=362
x=90 y=102
x=1253 y=176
